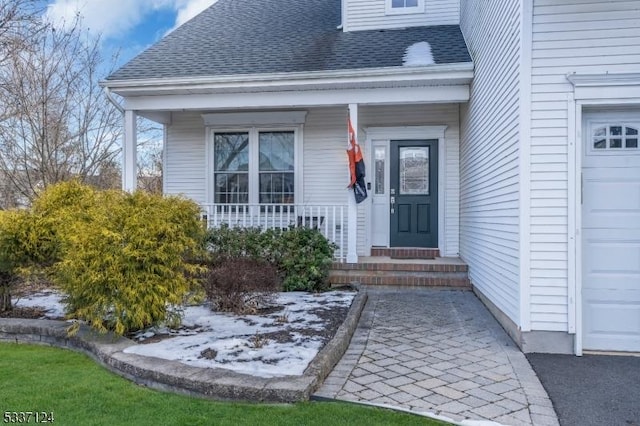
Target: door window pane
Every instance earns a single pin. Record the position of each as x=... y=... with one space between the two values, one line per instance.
x=414 y=170
x=380 y=159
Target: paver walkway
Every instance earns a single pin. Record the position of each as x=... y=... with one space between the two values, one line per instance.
x=438 y=352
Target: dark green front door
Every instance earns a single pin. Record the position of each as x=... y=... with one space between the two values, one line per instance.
x=414 y=193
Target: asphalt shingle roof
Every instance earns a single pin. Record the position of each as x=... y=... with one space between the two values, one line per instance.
x=273 y=36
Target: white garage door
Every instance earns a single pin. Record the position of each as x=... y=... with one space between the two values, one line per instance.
x=611 y=232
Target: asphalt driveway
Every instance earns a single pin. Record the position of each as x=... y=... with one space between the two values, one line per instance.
x=592 y=389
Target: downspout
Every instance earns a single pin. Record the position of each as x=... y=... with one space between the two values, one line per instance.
x=113 y=100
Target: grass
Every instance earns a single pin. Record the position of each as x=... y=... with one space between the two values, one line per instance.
x=80 y=392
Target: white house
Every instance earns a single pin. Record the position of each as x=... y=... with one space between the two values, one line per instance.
x=503 y=132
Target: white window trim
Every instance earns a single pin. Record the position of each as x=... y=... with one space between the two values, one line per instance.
x=254 y=157
x=389 y=10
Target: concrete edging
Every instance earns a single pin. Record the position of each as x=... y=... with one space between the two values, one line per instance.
x=215 y=383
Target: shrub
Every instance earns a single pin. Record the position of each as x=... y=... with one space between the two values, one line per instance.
x=302 y=255
x=241 y=285
x=122 y=260
x=20 y=248
x=31 y=241
x=253 y=243
x=305 y=258
x=127 y=265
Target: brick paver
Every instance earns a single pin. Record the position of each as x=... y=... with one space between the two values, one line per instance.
x=438 y=352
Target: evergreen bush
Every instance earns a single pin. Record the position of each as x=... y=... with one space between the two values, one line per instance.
x=134 y=261
x=301 y=254
x=122 y=260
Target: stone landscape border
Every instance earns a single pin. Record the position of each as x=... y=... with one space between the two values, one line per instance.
x=174 y=376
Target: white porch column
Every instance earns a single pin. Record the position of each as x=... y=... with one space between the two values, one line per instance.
x=352 y=207
x=129 y=152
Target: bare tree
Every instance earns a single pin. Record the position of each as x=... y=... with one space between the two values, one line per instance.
x=19 y=19
x=57 y=123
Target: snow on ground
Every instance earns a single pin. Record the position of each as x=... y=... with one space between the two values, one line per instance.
x=418 y=54
x=277 y=344
x=50 y=300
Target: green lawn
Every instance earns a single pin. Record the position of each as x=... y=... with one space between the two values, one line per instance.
x=80 y=392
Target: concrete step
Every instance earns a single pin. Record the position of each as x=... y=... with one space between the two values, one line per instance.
x=384 y=270
x=406 y=252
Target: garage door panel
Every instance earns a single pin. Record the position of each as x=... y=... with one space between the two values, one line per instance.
x=612 y=260
x=611 y=200
x=611 y=324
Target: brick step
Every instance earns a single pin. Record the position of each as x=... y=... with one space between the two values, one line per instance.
x=441 y=272
x=406 y=252
x=406 y=266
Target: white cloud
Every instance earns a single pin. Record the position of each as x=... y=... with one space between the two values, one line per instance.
x=189 y=8
x=100 y=16
x=114 y=19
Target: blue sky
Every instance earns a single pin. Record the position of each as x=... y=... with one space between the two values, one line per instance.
x=126 y=26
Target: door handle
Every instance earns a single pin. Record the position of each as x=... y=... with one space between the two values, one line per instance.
x=393 y=200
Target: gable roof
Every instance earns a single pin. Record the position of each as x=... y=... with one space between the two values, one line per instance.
x=240 y=37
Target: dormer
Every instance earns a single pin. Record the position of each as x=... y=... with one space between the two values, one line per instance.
x=359 y=15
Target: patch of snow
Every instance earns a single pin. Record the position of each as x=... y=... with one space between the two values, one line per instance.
x=418 y=54
x=241 y=343
x=50 y=301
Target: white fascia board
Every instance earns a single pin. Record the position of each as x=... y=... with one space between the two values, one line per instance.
x=433 y=74
x=300 y=99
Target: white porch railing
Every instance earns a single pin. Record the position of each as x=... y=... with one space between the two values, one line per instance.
x=330 y=220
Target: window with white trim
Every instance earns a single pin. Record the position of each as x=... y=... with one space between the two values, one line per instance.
x=396 y=7
x=612 y=137
x=254 y=166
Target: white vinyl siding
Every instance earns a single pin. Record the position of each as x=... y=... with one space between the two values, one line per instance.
x=370 y=15
x=489 y=157
x=586 y=37
x=185 y=159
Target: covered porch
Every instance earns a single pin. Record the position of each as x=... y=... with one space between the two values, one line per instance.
x=311 y=175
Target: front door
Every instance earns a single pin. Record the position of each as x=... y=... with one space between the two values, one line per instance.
x=414 y=194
